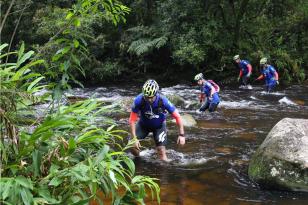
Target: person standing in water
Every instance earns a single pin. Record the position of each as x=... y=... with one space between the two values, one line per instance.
x=209 y=92
x=270 y=75
x=245 y=70
x=151 y=107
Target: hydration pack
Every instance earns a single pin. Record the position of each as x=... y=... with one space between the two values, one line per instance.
x=217 y=88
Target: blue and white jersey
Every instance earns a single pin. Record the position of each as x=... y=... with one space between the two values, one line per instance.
x=206 y=89
x=269 y=74
x=152 y=115
x=244 y=66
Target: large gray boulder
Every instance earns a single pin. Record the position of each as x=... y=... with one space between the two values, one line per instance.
x=188 y=120
x=281 y=162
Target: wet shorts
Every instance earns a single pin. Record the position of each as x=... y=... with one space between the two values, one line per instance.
x=160 y=134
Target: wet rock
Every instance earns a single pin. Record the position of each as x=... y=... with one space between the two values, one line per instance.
x=176 y=100
x=299 y=102
x=224 y=150
x=74 y=99
x=125 y=103
x=193 y=105
x=281 y=162
x=188 y=120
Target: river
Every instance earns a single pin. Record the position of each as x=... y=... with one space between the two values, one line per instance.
x=212 y=167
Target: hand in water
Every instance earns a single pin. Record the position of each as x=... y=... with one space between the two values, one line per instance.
x=181 y=140
x=137 y=145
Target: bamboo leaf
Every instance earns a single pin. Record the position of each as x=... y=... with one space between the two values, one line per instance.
x=26 y=196
x=21 y=51
x=6 y=189
x=69 y=15
x=112 y=177
x=46 y=195
x=76 y=43
x=37 y=157
x=2 y=46
x=23 y=181
x=34 y=83
x=56 y=181
x=71 y=145
x=25 y=57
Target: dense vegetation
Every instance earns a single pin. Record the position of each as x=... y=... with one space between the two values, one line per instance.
x=56 y=153
x=61 y=156
x=170 y=36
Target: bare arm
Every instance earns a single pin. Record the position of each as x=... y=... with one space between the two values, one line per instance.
x=178 y=119
x=132 y=122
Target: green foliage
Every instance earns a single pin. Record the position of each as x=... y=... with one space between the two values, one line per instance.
x=62 y=158
x=69 y=41
x=164 y=36
x=143 y=46
x=65 y=158
x=107 y=70
x=18 y=86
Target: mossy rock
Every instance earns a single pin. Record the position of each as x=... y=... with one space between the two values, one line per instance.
x=176 y=100
x=281 y=162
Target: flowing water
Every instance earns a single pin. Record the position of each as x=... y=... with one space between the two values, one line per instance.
x=212 y=167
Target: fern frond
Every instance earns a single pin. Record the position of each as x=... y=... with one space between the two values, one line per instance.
x=143 y=46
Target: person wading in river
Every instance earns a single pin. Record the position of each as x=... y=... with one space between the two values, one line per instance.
x=209 y=93
x=269 y=74
x=245 y=70
x=151 y=107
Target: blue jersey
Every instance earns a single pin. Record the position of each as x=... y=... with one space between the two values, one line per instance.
x=269 y=74
x=206 y=89
x=244 y=66
x=152 y=115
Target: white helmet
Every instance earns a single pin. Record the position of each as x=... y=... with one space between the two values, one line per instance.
x=236 y=57
x=263 y=61
x=199 y=77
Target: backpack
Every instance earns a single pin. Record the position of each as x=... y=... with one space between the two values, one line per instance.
x=217 y=88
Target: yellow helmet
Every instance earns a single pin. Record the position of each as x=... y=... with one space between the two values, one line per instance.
x=263 y=61
x=236 y=57
x=198 y=77
x=150 y=88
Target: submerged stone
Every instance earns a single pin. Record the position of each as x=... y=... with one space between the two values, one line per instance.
x=188 y=120
x=176 y=100
x=281 y=161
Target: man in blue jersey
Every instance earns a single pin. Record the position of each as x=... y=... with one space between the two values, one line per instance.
x=151 y=107
x=245 y=69
x=210 y=90
x=270 y=75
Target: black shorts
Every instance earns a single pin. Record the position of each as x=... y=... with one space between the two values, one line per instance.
x=160 y=134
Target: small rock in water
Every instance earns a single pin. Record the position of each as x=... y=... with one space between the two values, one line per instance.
x=286 y=101
x=224 y=150
x=247 y=87
x=188 y=120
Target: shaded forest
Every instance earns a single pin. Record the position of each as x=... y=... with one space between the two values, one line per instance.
x=170 y=39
